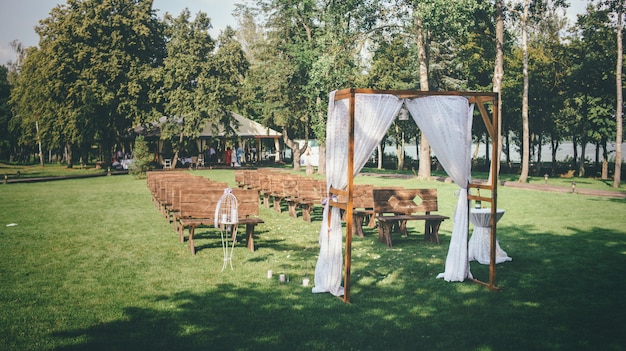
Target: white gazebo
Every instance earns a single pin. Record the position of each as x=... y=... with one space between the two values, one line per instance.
x=244 y=128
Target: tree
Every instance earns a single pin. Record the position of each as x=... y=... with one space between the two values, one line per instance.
x=393 y=68
x=593 y=94
x=618 y=7
x=5 y=114
x=431 y=25
x=186 y=74
x=142 y=157
x=90 y=72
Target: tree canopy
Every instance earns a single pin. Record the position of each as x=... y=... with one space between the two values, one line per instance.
x=103 y=67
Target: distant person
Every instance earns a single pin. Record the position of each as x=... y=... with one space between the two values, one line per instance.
x=239 y=155
x=233 y=159
x=228 y=156
x=212 y=155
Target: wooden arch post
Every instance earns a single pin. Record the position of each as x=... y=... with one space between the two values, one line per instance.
x=491 y=123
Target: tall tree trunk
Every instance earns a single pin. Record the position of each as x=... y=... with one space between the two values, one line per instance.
x=605 y=162
x=380 y=155
x=69 y=155
x=539 y=159
x=424 y=154
x=581 y=163
x=321 y=169
x=295 y=149
x=526 y=132
x=400 y=147
x=618 y=110
x=575 y=154
x=181 y=138
x=39 y=142
x=555 y=147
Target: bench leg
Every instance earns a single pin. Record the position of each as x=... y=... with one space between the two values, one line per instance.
x=250 y=236
x=277 y=204
x=384 y=233
x=431 y=231
x=192 y=247
x=266 y=200
x=306 y=212
x=402 y=228
x=181 y=233
x=371 y=221
x=357 y=225
x=292 y=208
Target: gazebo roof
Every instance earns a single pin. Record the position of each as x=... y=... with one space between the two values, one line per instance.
x=246 y=128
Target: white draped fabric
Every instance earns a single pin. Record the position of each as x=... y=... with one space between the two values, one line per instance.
x=446 y=121
x=443 y=119
x=375 y=114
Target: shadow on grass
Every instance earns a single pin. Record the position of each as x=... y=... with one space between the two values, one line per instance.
x=559 y=293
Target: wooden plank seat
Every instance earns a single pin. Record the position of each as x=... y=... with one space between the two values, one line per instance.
x=397 y=206
x=197 y=209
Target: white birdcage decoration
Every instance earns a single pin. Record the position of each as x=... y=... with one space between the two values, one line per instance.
x=226 y=219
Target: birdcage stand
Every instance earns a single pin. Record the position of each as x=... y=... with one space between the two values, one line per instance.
x=226 y=219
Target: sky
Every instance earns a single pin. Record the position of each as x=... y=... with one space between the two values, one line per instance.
x=18 y=18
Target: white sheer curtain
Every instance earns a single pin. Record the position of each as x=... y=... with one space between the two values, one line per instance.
x=374 y=113
x=446 y=121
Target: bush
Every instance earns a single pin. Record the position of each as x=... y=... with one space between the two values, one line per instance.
x=142 y=158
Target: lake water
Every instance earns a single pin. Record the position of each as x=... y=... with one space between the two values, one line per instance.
x=565 y=151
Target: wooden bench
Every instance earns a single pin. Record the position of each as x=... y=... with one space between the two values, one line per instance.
x=198 y=209
x=276 y=190
x=240 y=178
x=265 y=189
x=291 y=193
x=394 y=207
x=310 y=192
x=181 y=190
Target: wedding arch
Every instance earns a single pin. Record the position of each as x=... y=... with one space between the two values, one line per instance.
x=357 y=121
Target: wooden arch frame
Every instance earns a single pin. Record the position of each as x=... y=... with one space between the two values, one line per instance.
x=491 y=122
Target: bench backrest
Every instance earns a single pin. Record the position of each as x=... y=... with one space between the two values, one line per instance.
x=251 y=179
x=311 y=189
x=202 y=203
x=240 y=178
x=276 y=183
x=248 y=202
x=182 y=191
x=403 y=200
x=265 y=180
x=290 y=186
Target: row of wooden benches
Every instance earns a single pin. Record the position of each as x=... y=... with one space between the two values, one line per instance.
x=277 y=187
x=189 y=201
x=390 y=208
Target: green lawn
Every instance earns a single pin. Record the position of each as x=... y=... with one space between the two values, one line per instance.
x=90 y=264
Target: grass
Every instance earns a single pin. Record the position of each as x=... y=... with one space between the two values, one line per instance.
x=91 y=265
